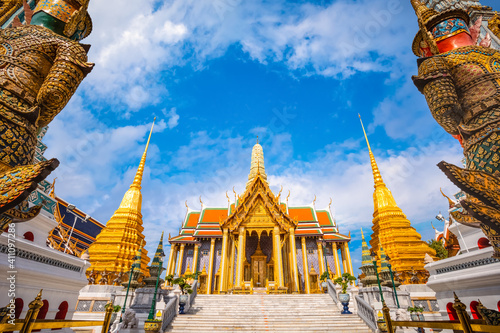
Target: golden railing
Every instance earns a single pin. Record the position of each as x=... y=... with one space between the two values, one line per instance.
x=30 y=322
x=463 y=324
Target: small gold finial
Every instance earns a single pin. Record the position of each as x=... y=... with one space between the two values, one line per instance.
x=201 y=202
x=228 y=200
x=362 y=235
x=186 y=203
x=314 y=201
x=451 y=203
x=330 y=204
x=257 y=139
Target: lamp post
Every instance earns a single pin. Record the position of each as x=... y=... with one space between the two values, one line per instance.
x=392 y=279
x=128 y=288
x=153 y=304
x=374 y=260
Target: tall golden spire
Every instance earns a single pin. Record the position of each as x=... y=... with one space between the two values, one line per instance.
x=392 y=230
x=119 y=241
x=376 y=172
x=257 y=163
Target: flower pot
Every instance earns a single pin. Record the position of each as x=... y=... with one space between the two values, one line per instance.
x=421 y=317
x=414 y=317
x=152 y=326
x=183 y=299
x=324 y=284
x=382 y=326
x=344 y=298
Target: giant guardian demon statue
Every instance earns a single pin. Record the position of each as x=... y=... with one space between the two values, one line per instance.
x=41 y=66
x=461 y=82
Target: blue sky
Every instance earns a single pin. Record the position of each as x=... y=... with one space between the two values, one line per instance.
x=217 y=73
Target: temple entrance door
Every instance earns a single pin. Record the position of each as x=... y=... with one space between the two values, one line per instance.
x=259 y=268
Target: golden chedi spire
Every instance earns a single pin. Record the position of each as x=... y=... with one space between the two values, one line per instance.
x=257 y=164
x=117 y=244
x=392 y=230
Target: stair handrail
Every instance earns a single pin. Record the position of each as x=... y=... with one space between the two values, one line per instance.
x=366 y=313
x=169 y=312
x=191 y=296
x=331 y=291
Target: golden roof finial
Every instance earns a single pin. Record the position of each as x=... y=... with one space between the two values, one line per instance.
x=138 y=176
x=451 y=203
x=257 y=165
x=53 y=188
x=376 y=172
x=201 y=202
x=362 y=235
x=257 y=139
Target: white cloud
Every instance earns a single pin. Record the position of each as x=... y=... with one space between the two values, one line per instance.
x=133 y=46
x=173 y=117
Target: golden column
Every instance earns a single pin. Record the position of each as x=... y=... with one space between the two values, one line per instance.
x=231 y=263
x=241 y=257
x=349 y=262
x=223 y=262
x=338 y=273
x=195 y=258
x=181 y=258
x=321 y=258
x=278 y=260
x=173 y=253
x=210 y=266
x=293 y=250
x=306 y=265
x=344 y=259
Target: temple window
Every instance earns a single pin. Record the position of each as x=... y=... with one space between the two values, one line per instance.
x=190 y=252
x=483 y=242
x=19 y=304
x=473 y=310
x=452 y=313
x=29 y=236
x=204 y=252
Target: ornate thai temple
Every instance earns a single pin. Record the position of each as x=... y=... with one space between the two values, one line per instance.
x=259 y=242
x=393 y=231
x=111 y=255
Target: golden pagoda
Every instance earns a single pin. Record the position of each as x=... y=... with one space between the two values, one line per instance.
x=393 y=231
x=119 y=241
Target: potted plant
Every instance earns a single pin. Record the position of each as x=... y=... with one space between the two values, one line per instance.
x=116 y=309
x=323 y=277
x=184 y=286
x=416 y=313
x=344 y=297
x=152 y=325
x=382 y=325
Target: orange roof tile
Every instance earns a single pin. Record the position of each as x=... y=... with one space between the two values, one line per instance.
x=324 y=219
x=301 y=214
x=207 y=233
x=192 y=220
x=214 y=214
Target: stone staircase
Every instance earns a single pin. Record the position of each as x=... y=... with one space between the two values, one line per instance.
x=266 y=313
